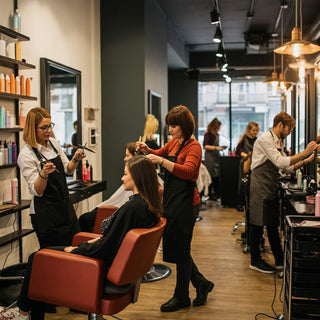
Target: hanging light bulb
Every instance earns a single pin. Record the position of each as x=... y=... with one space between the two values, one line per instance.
x=297 y=46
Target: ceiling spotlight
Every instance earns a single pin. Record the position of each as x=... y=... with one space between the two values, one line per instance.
x=284 y=4
x=228 y=79
x=220 y=51
x=215 y=18
x=224 y=68
x=218 y=35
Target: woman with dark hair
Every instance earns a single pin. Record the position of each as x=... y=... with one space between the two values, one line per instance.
x=181 y=159
x=143 y=210
x=118 y=198
x=211 y=156
x=44 y=166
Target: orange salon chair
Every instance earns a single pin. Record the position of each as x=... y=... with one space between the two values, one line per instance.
x=81 y=283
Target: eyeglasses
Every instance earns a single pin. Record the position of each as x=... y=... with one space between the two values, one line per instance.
x=46 y=128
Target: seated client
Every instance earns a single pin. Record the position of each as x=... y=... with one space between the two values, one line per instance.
x=143 y=210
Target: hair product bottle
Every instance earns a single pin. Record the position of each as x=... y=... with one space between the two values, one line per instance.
x=12 y=84
x=22 y=89
x=27 y=86
x=17 y=85
x=317 y=205
x=2 y=117
x=14 y=191
x=2 y=86
x=14 y=152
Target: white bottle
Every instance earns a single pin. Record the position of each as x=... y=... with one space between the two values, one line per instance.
x=14 y=191
x=317 y=205
x=299 y=179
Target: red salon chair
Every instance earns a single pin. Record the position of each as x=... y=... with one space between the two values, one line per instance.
x=81 y=283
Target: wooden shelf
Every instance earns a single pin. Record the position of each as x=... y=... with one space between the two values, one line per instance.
x=13 y=34
x=14 y=236
x=23 y=204
x=6 y=166
x=11 y=96
x=15 y=129
x=12 y=63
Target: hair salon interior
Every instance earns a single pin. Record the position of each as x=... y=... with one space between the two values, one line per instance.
x=99 y=67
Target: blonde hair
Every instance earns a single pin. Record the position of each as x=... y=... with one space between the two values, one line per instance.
x=33 y=119
x=150 y=127
x=250 y=125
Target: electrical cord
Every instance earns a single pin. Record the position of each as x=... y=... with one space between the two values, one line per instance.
x=11 y=244
x=276 y=316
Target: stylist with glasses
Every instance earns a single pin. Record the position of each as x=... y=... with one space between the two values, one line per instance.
x=44 y=166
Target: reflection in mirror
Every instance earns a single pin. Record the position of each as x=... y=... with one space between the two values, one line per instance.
x=61 y=96
x=154 y=107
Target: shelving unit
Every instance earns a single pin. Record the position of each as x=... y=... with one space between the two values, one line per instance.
x=302 y=269
x=15 y=65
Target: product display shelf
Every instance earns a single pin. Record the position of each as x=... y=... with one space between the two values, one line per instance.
x=13 y=34
x=302 y=269
x=15 y=65
x=12 y=63
x=11 y=96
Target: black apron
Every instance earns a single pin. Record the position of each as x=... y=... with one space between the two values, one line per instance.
x=178 y=209
x=212 y=159
x=55 y=220
x=264 y=201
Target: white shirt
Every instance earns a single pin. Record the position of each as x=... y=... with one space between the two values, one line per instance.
x=269 y=147
x=30 y=165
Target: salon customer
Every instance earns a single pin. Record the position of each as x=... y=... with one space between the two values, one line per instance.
x=119 y=198
x=268 y=158
x=143 y=210
x=44 y=166
x=212 y=157
x=181 y=158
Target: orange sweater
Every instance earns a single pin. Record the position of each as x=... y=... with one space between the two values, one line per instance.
x=188 y=161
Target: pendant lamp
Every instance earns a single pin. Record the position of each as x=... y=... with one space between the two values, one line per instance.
x=297 y=46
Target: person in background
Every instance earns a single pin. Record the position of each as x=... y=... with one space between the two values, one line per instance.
x=244 y=150
x=268 y=157
x=44 y=166
x=181 y=159
x=211 y=156
x=150 y=128
x=142 y=210
x=119 y=198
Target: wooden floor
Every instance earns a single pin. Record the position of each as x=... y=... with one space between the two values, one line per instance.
x=239 y=293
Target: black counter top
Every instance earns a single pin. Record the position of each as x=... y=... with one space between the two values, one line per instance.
x=81 y=190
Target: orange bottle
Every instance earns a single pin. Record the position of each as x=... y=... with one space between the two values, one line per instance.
x=22 y=91
x=27 y=86
x=12 y=84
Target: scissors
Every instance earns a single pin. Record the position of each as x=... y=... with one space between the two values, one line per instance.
x=44 y=160
x=84 y=147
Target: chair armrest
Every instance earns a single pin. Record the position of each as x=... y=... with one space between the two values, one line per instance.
x=67 y=279
x=81 y=237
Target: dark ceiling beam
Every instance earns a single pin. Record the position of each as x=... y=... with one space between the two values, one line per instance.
x=235 y=58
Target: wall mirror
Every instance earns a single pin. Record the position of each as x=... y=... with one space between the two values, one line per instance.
x=154 y=107
x=61 y=96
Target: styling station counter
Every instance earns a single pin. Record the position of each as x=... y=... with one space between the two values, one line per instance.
x=81 y=190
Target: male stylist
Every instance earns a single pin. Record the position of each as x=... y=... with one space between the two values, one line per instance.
x=268 y=157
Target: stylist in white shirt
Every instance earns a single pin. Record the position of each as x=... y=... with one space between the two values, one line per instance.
x=268 y=157
x=44 y=165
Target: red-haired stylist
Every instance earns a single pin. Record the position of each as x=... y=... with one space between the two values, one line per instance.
x=44 y=164
x=181 y=159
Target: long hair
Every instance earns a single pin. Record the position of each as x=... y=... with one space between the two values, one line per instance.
x=150 y=127
x=250 y=125
x=33 y=119
x=182 y=117
x=144 y=175
x=214 y=124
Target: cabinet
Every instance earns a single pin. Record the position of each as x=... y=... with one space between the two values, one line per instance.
x=302 y=269
x=14 y=66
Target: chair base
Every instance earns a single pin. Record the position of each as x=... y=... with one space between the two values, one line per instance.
x=237 y=225
x=157 y=272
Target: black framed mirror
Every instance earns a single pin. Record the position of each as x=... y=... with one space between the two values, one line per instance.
x=154 y=107
x=61 y=96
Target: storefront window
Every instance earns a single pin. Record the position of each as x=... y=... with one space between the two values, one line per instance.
x=250 y=101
